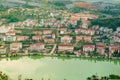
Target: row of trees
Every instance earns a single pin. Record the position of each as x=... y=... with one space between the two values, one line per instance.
x=110 y=77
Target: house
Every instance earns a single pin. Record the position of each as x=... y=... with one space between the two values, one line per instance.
x=113 y=48
x=1 y=35
x=87 y=38
x=65 y=47
x=66 y=39
x=49 y=36
x=63 y=30
x=85 y=31
x=90 y=31
x=117 y=39
x=37 y=47
x=79 y=38
x=37 y=38
x=53 y=36
x=88 y=48
x=10 y=33
x=118 y=29
x=100 y=49
x=78 y=53
x=83 y=16
x=83 y=37
x=9 y=38
x=49 y=40
x=22 y=38
x=3 y=50
x=84 y=25
x=5 y=29
x=47 y=32
x=37 y=32
x=15 y=46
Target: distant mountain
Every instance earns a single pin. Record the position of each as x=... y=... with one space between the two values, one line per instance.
x=12 y=3
x=91 y=1
x=15 y=3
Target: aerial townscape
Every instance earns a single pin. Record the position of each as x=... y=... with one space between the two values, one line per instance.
x=74 y=29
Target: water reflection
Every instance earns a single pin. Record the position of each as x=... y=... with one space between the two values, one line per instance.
x=37 y=57
x=57 y=68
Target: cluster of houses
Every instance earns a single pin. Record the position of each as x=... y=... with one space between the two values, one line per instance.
x=13 y=39
x=87 y=35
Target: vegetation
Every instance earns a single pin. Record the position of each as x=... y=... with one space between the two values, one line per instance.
x=14 y=16
x=76 y=9
x=3 y=76
x=59 y=3
x=109 y=23
x=116 y=54
x=110 y=77
x=2 y=8
x=111 y=10
x=1 y=42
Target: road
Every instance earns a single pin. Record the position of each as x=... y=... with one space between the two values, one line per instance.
x=53 y=49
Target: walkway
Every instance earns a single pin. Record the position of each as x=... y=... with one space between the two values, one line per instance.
x=53 y=49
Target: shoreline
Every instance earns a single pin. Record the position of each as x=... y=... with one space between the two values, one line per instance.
x=55 y=55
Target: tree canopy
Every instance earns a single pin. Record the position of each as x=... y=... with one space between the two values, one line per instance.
x=109 y=23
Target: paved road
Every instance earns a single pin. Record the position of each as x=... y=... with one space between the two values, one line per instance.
x=52 y=51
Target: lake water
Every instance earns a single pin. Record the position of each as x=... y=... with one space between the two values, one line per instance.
x=57 y=68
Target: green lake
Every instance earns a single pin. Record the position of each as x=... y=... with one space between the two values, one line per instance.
x=57 y=68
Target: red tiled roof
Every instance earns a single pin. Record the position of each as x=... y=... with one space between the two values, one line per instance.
x=100 y=46
x=66 y=36
x=37 y=44
x=65 y=45
x=89 y=46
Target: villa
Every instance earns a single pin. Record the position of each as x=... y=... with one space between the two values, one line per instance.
x=47 y=32
x=15 y=46
x=85 y=31
x=113 y=48
x=37 y=38
x=88 y=48
x=65 y=47
x=37 y=32
x=66 y=39
x=83 y=37
x=22 y=38
x=10 y=33
x=100 y=49
x=63 y=30
x=9 y=38
x=49 y=40
x=3 y=50
x=37 y=47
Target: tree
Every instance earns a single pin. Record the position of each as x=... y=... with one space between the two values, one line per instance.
x=116 y=54
x=1 y=42
x=112 y=23
x=112 y=76
x=3 y=76
x=78 y=23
